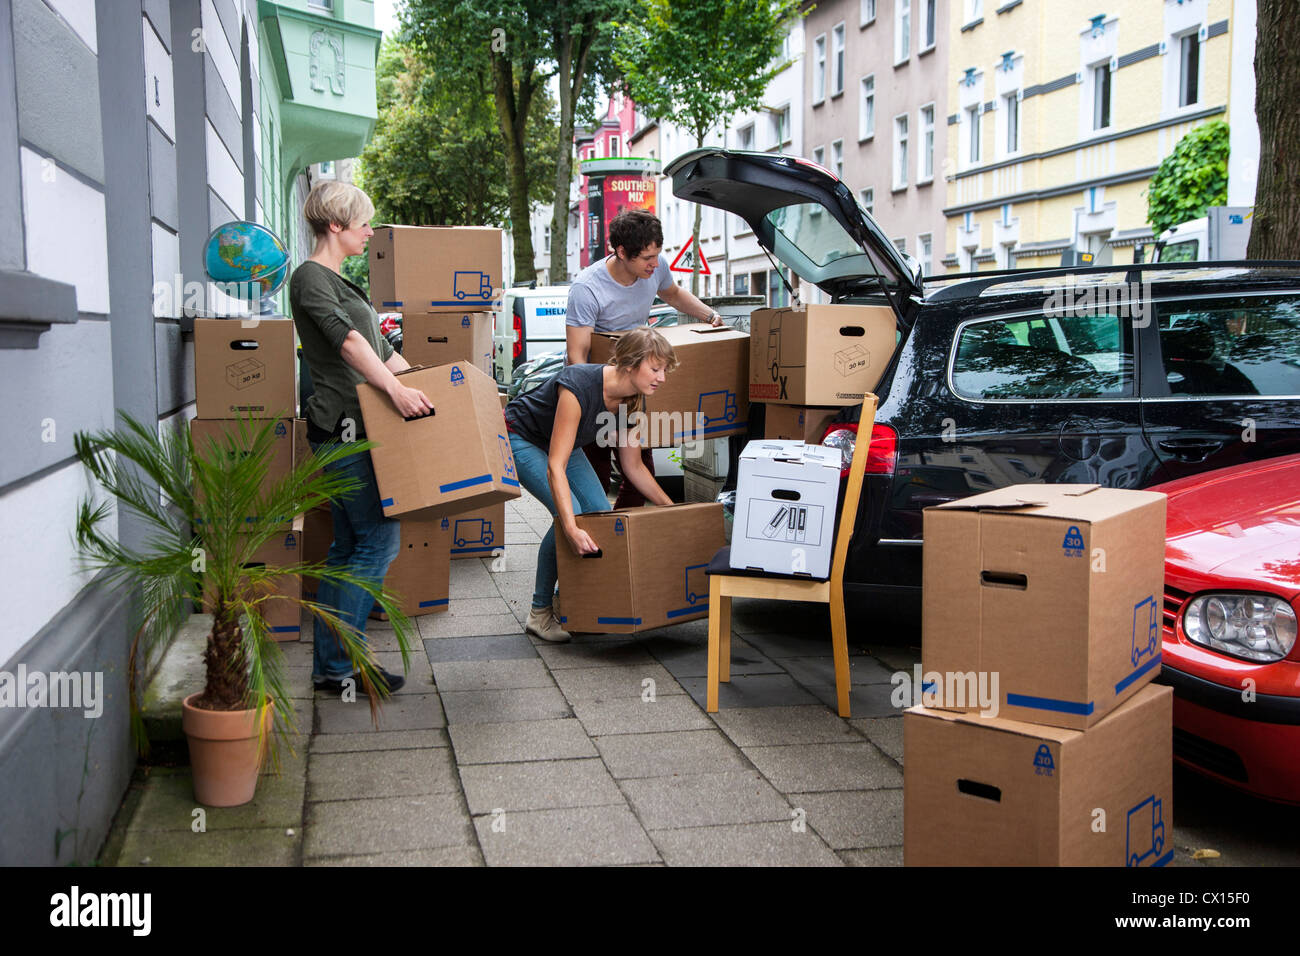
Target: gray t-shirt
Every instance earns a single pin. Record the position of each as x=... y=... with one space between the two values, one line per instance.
x=532 y=414
x=598 y=302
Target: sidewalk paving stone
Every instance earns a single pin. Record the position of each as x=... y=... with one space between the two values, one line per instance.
x=387 y=824
x=606 y=652
x=806 y=768
x=538 y=785
x=256 y=847
x=491 y=675
x=440 y=856
x=854 y=819
x=385 y=773
x=885 y=732
x=488 y=647
x=767 y=726
x=750 y=690
x=475 y=607
x=611 y=683
x=865 y=700
x=811 y=671
x=896 y=658
x=501 y=706
x=518 y=741
x=400 y=712
x=705 y=799
x=797 y=642
x=635 y=716
x=754 y=844
x=444 y=626
x=880 y=856
x=469 y=579
x=581 y=836
x=378 y=740
x=673 y=752
x=693 y=661
x=167 y=802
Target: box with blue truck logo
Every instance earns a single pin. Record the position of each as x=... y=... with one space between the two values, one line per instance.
x=1056 y=589
x=986 y=791
x=435 y=268
x=453 y=459
x=439 y=338
x=477 y=534
x=650 y=571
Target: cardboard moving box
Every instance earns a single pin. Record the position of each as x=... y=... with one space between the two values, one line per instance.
x=650 y=571
x=456 y=459
x=440 y=338
x=245 y=368
x=1056 y=589
x=981 y=791
x=227 y=435
x=820 y=354
x=787 y=497
x=477 y=534
x=706 y=395
x=806 y=423
x=438 y=268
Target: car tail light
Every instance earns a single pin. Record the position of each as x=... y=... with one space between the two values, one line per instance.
x=882 y=451
x=519 y=338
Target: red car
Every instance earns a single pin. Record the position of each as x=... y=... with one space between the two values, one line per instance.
x=1232 y=593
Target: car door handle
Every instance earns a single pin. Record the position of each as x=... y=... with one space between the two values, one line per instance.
x=1190 y=449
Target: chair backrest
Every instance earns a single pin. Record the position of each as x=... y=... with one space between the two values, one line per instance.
x=853 y=491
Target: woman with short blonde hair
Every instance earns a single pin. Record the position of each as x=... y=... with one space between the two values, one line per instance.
x=549 y=427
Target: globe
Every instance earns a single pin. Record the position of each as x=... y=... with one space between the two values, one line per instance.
x=246 y=260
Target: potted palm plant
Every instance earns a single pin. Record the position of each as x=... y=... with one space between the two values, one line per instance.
x=217 y=509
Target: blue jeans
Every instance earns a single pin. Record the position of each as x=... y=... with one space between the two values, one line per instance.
x=585 y=494
x=366 y=543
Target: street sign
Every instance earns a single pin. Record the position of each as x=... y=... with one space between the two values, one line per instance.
x=685 y=261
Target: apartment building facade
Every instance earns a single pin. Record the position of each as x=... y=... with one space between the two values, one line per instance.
x=1060 y=115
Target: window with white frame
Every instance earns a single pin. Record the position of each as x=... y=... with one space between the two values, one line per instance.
x=925 y=253
x=928 y=15
x=900 y=151
x=745 y=137
x=1011 y=103
x=837 y=60
x=546 y=239
x=614 y=146
x=867 y=12
x=1101 y=95
x=900 y=245
x=902 y=30
x=868 y=199
x=784 y=129
x=973 y=134
x=819 y=156
x=1189 y=68
x=925 y=159
x=819 y=69
x=837 y=158
x=974 y=10
x=867 y=108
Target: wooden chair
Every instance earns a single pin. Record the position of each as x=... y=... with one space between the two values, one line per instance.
x=781 y=587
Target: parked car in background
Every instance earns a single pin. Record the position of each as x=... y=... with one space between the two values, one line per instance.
x=1120 y=375
x=1232 y=596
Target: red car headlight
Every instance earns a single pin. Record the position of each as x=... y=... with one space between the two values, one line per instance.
x=1256 y=627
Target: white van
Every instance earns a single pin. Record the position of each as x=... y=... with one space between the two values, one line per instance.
x=529 y=323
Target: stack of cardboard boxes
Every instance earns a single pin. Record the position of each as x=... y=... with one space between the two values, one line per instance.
x=246 y=369
x=806 y=364
x=1038 y=738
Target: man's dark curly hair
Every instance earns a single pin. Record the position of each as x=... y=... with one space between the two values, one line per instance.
x=634 y=230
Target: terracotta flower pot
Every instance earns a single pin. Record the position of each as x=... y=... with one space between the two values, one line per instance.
x=224 y=752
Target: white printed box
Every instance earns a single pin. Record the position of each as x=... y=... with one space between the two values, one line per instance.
x=787 y=495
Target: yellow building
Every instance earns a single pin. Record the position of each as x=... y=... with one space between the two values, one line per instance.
x=1060 y=115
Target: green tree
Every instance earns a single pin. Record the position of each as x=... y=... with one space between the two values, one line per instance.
x=1191 y=179
x=1275 y=228
x=435 y=156
x=699 y=62
x=513 y=48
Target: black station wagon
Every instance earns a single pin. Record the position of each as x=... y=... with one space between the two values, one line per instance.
x=1120 y=375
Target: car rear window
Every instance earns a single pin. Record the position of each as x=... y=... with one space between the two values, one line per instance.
x=1044 y=357
x=1247 y=346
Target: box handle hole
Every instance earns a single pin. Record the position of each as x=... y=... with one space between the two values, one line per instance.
x=982 y=790
x=245 y=345
x=852 y=331
x=1004 y=579
x=785 y=494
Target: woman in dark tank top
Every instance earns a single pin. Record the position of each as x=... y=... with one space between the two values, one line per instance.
x=549 y=427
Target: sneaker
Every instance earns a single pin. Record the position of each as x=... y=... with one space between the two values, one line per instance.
x=543 y=623
x=393 y=682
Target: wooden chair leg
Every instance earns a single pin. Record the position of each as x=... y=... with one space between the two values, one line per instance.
x=715 y=644
x=724 y=627
x=840 y=648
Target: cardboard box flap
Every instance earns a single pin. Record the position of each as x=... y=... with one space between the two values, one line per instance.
x=1023 y=728
x=1085 y=503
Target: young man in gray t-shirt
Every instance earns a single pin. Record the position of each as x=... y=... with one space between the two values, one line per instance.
x=614 y=295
